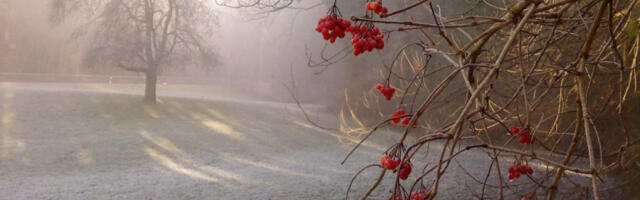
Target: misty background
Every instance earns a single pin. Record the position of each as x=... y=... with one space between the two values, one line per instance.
x=257 y=52
x=72 y=125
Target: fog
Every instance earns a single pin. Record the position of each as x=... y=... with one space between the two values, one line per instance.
x=257 y=51
x=200 y=99
x=264 y=52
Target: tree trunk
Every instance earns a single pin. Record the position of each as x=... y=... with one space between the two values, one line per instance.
x=150 y=85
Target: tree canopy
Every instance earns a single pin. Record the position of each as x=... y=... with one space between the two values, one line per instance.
x=146 y=36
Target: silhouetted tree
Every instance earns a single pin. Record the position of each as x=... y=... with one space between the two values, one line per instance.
x=144 y=36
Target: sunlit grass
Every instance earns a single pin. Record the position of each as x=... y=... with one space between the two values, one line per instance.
x=276 y=168
x=225 y=129
x=9 y=143
x=151 y=111
x=161 y=142
x=172 y=165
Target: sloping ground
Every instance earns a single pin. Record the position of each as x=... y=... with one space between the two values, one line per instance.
x=62 y=142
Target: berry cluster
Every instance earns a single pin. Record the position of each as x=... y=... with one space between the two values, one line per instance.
x=418 y=196
x=392 y=164
x=376 y=7
x=366 y=37
x=386 y=91
x=516 y=170
x=332 y=27
x=413 y=196
x=389 y=163
x=525 y=136
x=395 y=117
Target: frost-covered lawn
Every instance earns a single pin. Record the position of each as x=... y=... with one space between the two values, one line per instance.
x=95 y=141
x=85 y=141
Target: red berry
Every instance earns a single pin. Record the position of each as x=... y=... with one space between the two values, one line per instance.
x=405 y=121
x=396 y=116
x=371 y=42
x=526 y=138
x=380 y=45
x=346 y=23
x=338 y=29
x=384 y=10
x=405 y=170
x=330 y=25
x=367 y=46
x=391 y=163
x=529 y=170
x=363 y=28
x=514 y=129
x=379 y=87
x=388 y=93
x=376 y=6
x=368 y=6
x=360 y=43
x=523 y=140
x=383 y=159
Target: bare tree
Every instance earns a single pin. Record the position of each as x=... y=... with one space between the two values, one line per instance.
x=144 y=36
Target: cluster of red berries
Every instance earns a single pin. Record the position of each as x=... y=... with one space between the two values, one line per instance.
x=389 y=163
x=395 y=117
x=332 y=27
x=366 y=38
x=413 y=196
x=516 y=170
x=386 y=91
x=418 y=196
x=392 y=164
x=376 y=7
x=525 y=136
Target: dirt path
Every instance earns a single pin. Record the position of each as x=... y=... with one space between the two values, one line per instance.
x=66 y=143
